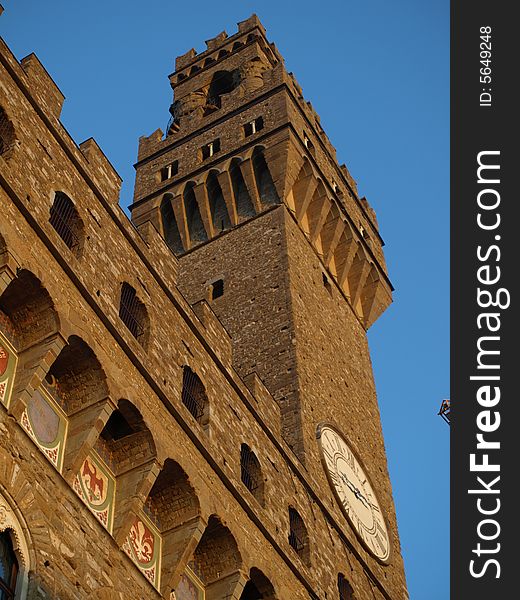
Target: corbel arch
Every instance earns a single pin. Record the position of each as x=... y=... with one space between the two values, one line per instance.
x=27 y=311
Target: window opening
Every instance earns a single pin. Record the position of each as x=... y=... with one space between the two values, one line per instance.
x=64 y=218
x=249 y=468
x=194 y=394
x=8 y=567
x=210 y=149
x=296 y=531
x=345 y=589
x=170 y=170
x=7 y=137
x=217 y=289
x=130 y=310
x=253 y=126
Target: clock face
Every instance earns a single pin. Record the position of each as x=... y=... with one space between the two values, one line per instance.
x=354 y=492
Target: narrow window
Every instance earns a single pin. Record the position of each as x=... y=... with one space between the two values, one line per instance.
x=326 y=283
x=132 y=311
x=308 y=144
x=298 y=537
x=7 y=137
x=217 y=289
x=253 y=126
x=66 y=221
x=170 y=170
x=210 y=149
x=194 y=396
x=8 y=567
x=344 y=588
x=251 y=473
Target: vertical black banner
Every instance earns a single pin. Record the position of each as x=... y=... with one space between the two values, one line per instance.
x=485 y=238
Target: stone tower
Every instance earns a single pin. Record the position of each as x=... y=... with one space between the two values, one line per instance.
x=270 y=230
x=187 y=407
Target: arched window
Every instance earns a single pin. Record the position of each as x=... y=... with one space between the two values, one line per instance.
x=7 y=136
x=15 y=558
x=133 y=313
x=8 y=567
x=251 y=473
x=222 y=82
x=194 y=396
x=298 y=537
x=344 y=588
x=66 y=221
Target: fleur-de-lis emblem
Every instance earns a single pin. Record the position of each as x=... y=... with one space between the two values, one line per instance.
x=142 y=541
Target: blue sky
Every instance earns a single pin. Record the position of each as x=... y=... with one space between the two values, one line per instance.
x=377 y=72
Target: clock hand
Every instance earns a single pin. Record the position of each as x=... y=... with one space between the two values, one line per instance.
x=355 y=490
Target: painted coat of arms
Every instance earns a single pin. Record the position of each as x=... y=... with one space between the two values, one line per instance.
x=96 y=486
x=143 y=546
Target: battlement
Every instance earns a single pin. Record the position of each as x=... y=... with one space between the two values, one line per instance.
x=220 y=42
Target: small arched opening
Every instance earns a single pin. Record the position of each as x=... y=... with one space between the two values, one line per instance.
x=298 y=536
x=194 y=397
x=133 y=313
x=7 y=134
x=251 y=473
x=345 y=590
x=65 y=219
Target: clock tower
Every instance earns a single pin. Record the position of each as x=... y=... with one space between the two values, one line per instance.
x=269 y=229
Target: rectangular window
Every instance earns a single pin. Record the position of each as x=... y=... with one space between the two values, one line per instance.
x=253 y=126
x=210 y=149
x=170 y=170
x=217 y=289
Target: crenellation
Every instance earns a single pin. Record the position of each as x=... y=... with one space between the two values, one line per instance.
x=216 y=42
x=42 y=86
x=107 y=178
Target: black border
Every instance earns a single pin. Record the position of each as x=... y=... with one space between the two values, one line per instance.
x=475 y=128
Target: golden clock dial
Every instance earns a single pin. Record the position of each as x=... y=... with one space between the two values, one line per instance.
x=354 y=492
